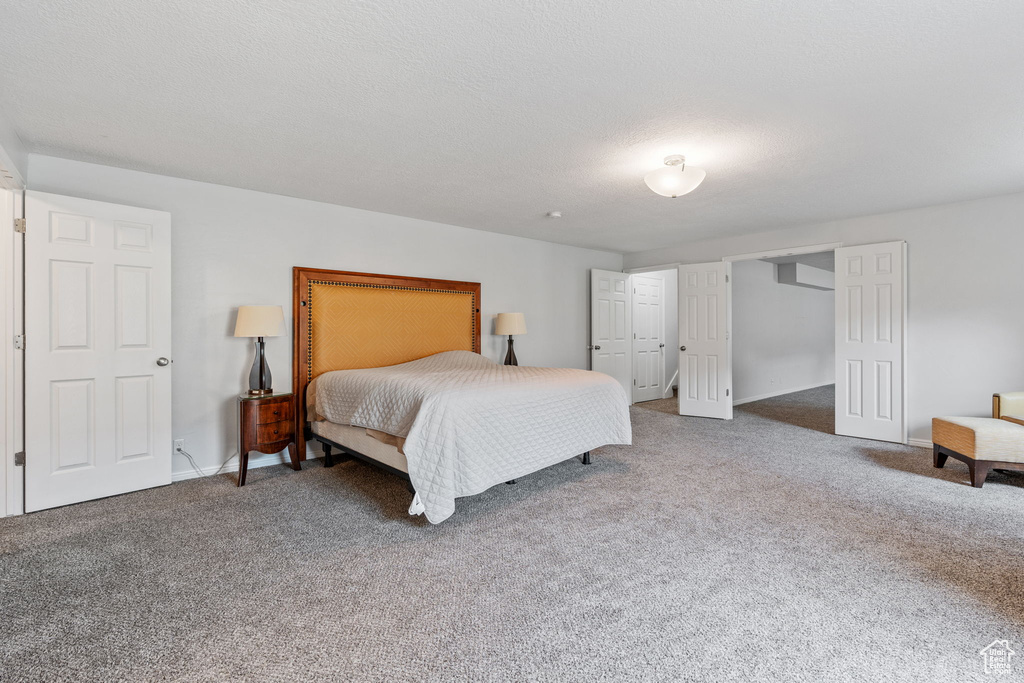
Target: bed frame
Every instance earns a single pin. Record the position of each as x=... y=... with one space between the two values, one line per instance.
x=343 y=320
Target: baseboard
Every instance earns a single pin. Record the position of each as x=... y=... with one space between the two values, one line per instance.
x=920 y=443
x=255 y=462
x=781 y=392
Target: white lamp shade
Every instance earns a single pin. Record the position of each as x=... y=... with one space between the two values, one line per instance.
x=671 y=182
x=259 y=321
x=510 y=323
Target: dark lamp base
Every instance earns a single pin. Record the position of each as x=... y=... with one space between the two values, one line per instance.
x=510 y=357
x=259 y=376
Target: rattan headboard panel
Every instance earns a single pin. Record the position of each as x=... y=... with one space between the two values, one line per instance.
x=354 y=325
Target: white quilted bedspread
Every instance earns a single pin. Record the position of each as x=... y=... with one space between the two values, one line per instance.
x=470 y=423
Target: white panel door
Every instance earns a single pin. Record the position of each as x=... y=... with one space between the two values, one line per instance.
x=98 y=320
x=870 y=338
x=610 y=326
x=648 y=337
x=705 y=351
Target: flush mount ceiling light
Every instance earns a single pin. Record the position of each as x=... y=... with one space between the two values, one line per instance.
x=676 y=179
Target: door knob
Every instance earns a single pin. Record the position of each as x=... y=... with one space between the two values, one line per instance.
x=162 y=362
x=596 y=348
x=661 y=346
x=682 y=348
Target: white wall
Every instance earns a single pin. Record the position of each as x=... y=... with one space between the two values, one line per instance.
x=783 y=336
x=965 y=294
x=13 y=156
x=233 y=247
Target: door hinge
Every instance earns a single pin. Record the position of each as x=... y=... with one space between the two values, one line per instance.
x=19 y=459
x=19 y=342
x=19 y=225
x=634 y=383
x=726 y=278
x=726 y=392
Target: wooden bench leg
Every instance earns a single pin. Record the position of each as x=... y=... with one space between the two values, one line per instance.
x=979 y=471
x=938 y=458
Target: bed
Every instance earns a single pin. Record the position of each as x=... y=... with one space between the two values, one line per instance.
x=388 y=370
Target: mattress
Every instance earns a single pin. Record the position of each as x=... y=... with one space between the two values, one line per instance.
x=358 y=440
x=470 y=423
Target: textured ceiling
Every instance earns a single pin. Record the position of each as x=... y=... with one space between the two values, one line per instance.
x=488 y=115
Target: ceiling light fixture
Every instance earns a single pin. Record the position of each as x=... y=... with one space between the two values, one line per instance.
x=676 y=179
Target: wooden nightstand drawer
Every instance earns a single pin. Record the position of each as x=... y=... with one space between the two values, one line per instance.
x=275 y=431
x=274 y=412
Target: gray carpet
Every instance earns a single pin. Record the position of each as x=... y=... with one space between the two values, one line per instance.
x=763 y=549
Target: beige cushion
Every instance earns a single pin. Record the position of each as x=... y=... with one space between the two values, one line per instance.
x=981 y=438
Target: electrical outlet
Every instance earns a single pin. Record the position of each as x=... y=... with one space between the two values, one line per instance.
x=179 y=445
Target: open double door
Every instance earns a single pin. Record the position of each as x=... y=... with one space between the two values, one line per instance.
x=870 y=327
x=628 y=331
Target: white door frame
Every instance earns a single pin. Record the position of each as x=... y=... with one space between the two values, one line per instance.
x=793 y=251
x=11 y=408
x=7 y=328
x=653 y=269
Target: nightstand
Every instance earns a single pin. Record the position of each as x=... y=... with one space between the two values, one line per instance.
x=267 y=425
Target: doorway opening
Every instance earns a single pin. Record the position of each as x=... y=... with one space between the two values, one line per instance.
x=783 y=339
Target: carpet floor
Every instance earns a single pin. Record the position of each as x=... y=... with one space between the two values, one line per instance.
x=761 y=549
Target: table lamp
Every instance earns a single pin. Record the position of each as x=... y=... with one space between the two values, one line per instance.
x=510 y=324
x=259 y=322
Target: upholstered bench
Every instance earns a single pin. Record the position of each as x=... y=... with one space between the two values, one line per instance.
x=983 y=443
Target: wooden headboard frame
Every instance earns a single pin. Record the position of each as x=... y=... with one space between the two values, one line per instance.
x=383 y=285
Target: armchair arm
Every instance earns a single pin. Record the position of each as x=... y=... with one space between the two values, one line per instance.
x=1009 y=405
